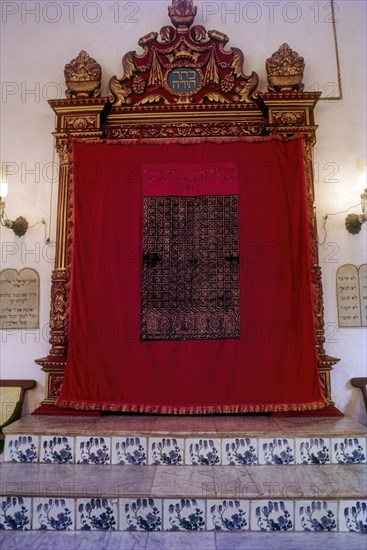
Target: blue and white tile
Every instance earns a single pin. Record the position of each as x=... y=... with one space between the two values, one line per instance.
x=276 y=451
x=141 y=514
x=57 y=449
x=166 y=451
x=348 y=450
x=353 y=516
x=184 y=515
x=313 y=450
x=203 y=452
x=227 y=515
x=272 y=515
x=15 y=513
x=96 y=514
x=93 y=450
x=54 y=514
x=239 y=451
x=316 y=515
x=21 y=448
x=129 y=450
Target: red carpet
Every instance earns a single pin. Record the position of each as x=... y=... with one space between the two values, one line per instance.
x=331 y=411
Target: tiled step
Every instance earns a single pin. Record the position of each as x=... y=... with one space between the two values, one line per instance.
x=202 y=498
x=212 y=440
x=44 y=540
x=107 y=540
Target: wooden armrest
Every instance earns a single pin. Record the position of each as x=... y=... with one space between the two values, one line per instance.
x=359 y=382
x=14 y=401
x=25 y=384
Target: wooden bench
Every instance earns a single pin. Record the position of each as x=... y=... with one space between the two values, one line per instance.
x=11 y=401
x=361 y=383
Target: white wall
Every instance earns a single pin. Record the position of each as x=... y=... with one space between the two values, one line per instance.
x=39 y=38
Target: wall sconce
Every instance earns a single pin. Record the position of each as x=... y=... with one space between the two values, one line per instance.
x=20 y=225
x=353 y=222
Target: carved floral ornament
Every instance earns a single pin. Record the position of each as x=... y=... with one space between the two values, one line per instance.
x=83 y=77
x=285 y=70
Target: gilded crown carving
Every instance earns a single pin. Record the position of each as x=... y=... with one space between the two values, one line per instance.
x=285 y=70
x=83 y=77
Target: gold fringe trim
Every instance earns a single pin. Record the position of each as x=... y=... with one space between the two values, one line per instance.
x=192 y=409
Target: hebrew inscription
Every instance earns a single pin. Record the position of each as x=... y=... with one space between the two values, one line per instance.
x=351 y=284
x=19 y=299
x=183 y=80
x=363 y=293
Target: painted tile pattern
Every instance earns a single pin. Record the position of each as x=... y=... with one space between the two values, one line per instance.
x=93 y=450
x=351 y=450
x=15 y=513
x=203 y=452
x=239 y=451
x=184 y=515
x=276 y=451
x=129 y=450
x=154 y=514
x=314 y=450
x=227 y=515
x=316 y=516
x=97 y=514
x=138 y=450
x=142 y=514
x=272 y=515
x=54 y=514
x=167 y=451
x=21 y=448
x=57 y=450
x=353 y=516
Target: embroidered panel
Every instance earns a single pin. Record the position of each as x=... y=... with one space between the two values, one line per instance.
x=190 y=282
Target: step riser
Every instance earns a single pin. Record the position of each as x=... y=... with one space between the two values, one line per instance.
x=200 y=450
x=129 y=514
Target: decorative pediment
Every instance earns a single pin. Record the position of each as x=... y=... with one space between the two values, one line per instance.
x=184 y=64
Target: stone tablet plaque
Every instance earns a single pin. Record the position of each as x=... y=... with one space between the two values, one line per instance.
x=363 y=293
x=19 y=299
x=349 y=295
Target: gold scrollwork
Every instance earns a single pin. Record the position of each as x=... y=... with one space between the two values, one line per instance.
x=198 y=33
x=153 y=98
x=215 y=97
x=119 y=92
x=167 y=33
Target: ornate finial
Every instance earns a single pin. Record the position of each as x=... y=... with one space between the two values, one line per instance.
x=285 y=70
x=83 y=77
x=182 y=13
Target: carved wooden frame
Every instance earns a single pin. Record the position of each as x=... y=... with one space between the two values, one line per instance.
x=144 y=108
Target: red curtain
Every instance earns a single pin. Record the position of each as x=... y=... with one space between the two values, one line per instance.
x=271 y=366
